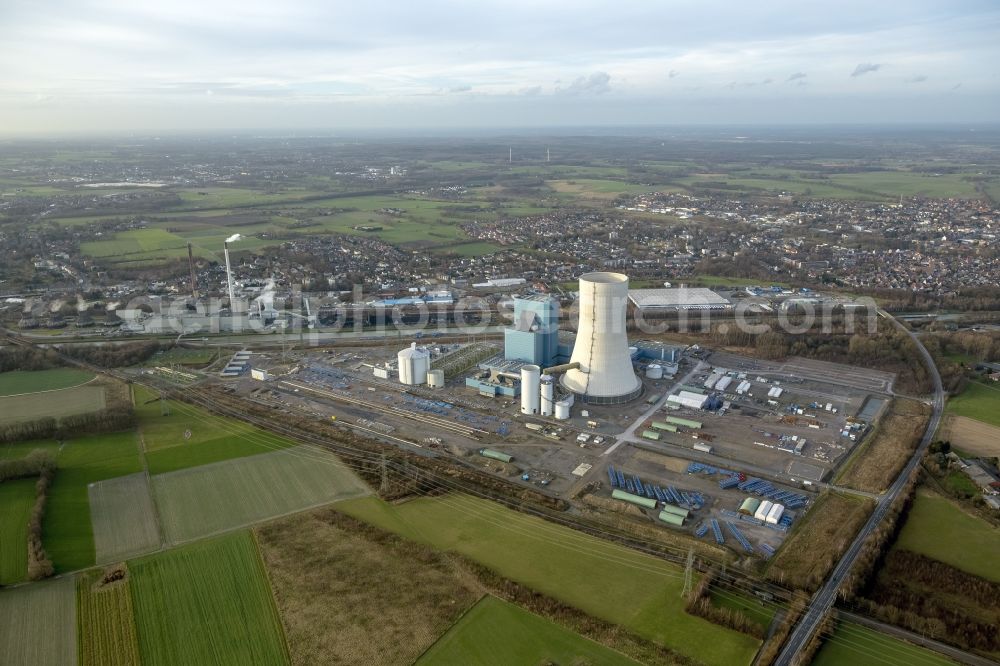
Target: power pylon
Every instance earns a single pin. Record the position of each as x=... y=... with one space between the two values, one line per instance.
x=688 y=574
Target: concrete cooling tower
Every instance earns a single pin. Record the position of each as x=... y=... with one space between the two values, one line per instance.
x=604 y=374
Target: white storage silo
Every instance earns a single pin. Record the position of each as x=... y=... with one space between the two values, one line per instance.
x=435 y=378
x=562 y=409
x=547 y=395
x=413 y=365
x=654 y=371
x=605 y=374
x=530 y=380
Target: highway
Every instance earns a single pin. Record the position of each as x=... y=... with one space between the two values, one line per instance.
x=823 y=600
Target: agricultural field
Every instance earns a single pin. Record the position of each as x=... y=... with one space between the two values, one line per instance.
x=17 y=497
x=971 y=437
x=828 y=528
x=939 y=529
x=854 y=644
x=123 y=517
x=332 y=583
x=978 y=401
x=66 y=530
x=182 y=356
x=189 y=436
x=496 y=632
x=602 y=579
x=205 y=500
x=106 y=622
x=39 y=624
x=57 y=403
x=23 y=381
x=206 y=603
x=597 y=189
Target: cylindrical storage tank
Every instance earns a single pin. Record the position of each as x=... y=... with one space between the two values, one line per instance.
x=530 y=379
x=654 y=371
x=495 y=455
x=676 y=510
x=749 y=506
x=435 y=378
x=605 y=374
x=763 y=510
x=414 y=362
x=672 y=518
x=562 y=410
x=548 y=394
x=647 y=502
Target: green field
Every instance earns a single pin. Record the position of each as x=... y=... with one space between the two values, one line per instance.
x=17 y=497
x=212 y=498
x=605 y=580
x=597 y=189
x=123 y=518
x=212 y=438
x=63 y=402
x=66 y=530
x=853 y=644
x=206 y=603
x=21 y=381
x=106 y=622
x=496 y=632
x=978 y=401
x=38 y=624
x=939 y=529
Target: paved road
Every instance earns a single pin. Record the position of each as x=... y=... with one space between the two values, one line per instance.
x=823 y=600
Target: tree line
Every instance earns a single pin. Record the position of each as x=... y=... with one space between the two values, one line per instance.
x=111 y=419
x=38 y=463
x=699 y=603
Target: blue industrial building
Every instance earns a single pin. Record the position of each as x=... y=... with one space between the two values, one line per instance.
x=534 y=335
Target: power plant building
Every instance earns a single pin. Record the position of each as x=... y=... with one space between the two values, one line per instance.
x=534 y=336
x=601 y=365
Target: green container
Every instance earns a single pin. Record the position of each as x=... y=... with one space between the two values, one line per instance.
x=687 y=423
x=676 y=510
x=672 y=518
x=647 y=502
x=660 y=425
x=651 y=434
x=496 y=455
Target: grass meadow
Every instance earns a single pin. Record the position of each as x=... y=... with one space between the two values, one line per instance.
x=854 y=644
x=497 y=632
x=23 y=381
x=979 y=401
x=939 y=529
x=17 y=497
x=605 y=580
x=57 y=403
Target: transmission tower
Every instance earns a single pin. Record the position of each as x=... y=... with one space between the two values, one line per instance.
x=688 y=574
x=384 y=486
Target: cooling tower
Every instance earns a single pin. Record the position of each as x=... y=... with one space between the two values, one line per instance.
x=605 y=374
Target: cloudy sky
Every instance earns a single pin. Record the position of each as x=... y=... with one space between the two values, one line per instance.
x=175 y=65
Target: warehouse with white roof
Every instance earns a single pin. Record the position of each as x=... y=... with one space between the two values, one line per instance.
x=681 y=298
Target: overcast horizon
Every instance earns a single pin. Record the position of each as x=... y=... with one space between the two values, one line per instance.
x=109 y=66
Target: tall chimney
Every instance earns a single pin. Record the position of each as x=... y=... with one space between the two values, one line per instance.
x=194 y=284
x=229 y=278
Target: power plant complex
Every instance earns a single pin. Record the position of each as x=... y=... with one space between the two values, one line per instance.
x=548 y=370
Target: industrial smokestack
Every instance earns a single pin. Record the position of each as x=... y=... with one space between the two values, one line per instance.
x=605 y=374
x=194 y=284
x=229 y=277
